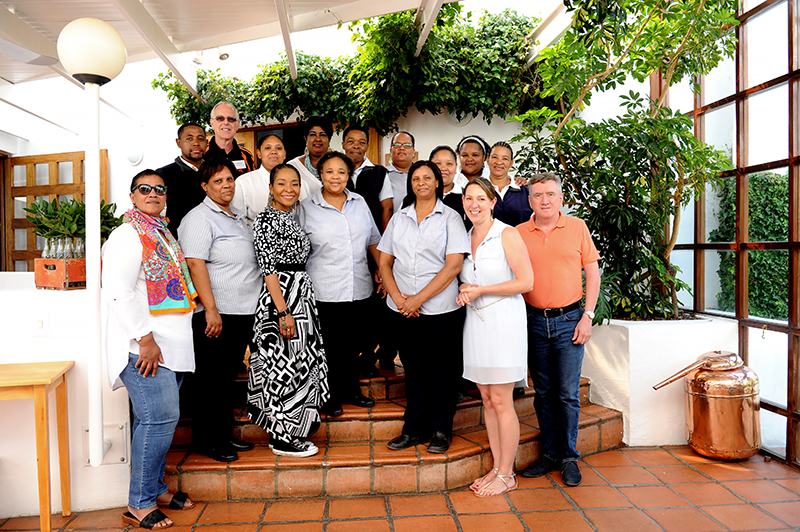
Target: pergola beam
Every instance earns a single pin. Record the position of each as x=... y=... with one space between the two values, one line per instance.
x=426 y=17
x=546 y=24
x=146 y=26
x=283 y=21
x=22 y=42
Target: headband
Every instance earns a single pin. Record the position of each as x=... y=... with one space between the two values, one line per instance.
x=476 y=140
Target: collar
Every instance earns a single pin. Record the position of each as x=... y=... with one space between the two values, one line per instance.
x=365 y=164
x=411 y=211
x=512 y=185
x=181 y=161
x=208 y=202
x=317 y=198
x=457 y=189
x=391 y=168
x=560 y=223
x=214 y=147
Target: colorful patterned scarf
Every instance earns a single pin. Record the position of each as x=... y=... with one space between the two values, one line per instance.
x=165 y=269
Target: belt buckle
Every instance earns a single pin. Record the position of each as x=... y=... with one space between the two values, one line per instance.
x=556 y=312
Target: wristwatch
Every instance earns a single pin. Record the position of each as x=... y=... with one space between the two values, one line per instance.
x=589 y=313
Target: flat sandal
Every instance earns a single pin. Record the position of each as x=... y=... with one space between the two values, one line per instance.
x=476 y=484
x=503 y=480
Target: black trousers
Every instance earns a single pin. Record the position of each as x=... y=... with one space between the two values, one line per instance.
x=384 y=334
x=218 y=361
x=429 y=348
x=345 y=327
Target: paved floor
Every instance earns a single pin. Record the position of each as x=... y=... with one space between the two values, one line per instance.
x=628 y=490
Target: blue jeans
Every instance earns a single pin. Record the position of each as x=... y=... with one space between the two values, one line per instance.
x=155 y=415
x=555 y=366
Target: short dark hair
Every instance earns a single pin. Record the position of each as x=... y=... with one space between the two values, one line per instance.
x=144 y=173
x=443 y=147
x=275 y=169
x=485 y=185
x=336 y=155
x=316 y=120
x=350 y=129
x=411 y=198
x=502 y=144
x=475 y=139
x=213 y=165
x=268 y=135
x=413 y=142
x=189 y=124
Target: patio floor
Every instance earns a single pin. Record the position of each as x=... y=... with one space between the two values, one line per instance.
x=668 y=489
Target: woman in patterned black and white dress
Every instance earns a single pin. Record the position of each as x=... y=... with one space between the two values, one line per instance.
x=288 y=376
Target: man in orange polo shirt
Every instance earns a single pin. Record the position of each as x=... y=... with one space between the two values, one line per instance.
x=559 y=247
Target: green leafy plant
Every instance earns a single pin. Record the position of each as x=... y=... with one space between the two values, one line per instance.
x=629 y=177
x=67 y=218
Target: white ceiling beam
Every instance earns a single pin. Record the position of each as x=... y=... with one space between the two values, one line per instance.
x=283 y=21
x=426 y=18
x=22 y=42
x=553 y=27
x=146 y=26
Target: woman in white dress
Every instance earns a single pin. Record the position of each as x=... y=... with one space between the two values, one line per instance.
x=495 y=274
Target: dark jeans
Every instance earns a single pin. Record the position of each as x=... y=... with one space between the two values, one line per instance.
x=343 y=327
x=218 y=361
x=428 y=350
x=555 y=367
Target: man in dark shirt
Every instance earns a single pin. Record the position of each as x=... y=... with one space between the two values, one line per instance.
x=225 y=123
x=369 y=179
x=183 y=184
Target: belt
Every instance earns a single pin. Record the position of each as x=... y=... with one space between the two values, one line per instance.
x=290 y=267
x=554 y=312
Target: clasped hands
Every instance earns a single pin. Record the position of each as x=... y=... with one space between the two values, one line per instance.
x=468 y=293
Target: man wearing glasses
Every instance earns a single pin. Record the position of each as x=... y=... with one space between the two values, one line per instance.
x=402 y=151
x=225 y=123
x=559 y=247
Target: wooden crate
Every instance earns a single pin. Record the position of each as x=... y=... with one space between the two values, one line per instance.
x=60 y=274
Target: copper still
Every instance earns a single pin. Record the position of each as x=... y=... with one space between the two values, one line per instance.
x=722 y=406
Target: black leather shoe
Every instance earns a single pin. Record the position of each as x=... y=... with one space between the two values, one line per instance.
x=571 y=473
x=440 y=442
x=360 y=400
x=332 y=409
x=519 y=392
x=241 y=445
x=220 y=454
x=404 y=441
x=540 y=467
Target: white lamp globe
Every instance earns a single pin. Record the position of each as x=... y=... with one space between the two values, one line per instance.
x=91 y=51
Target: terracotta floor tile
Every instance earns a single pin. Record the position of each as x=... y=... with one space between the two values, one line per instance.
x=232 y=512
x=788 y=512
x=32 y=522
x=597 y=497
x=437 y=523
x=371 y=525
x=617 y=520
x=206 y=486
x=677 y=475
x=706 y=494
x=254 y=484
x=347 y=481
x=627 y=476
x=419 y=505
x=743 y=517
x=762 y=491
x=466 y=502
x=348 y=455
x=186 y=517
x=260 y=457
x=724 y=471
x=589 y=477
x=789 y=483
x=201 y=462
x=651 y=457
x=396 y=479
x=683 y=520
x=770 y=469
x=304 y=527
x=569 y=521
x=483 y=523
x=356 y=508
x=309 y=510
x=653 y=497
x=608 y=459
x=99 y=519
x=250 y=527
x=300 y=483
x=688 y=455
x=381 y=454
x=541 y=482
x=539 y=500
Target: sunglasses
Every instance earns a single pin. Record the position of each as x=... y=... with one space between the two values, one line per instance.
x=145 y=189
x=221 y=118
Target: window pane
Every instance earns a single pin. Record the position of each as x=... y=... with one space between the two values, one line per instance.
x=20 y=239
x=769 y=206
x=768 y=125
x=65 y=172
x=684 y=261
x=720 y=129
x=20 y=265
x=721 y=211
x=720 y=277
x=19 y=176
x=773 y=432
x=720 y=82
x=42 y=174
x=686 y=228
x=747 y=5
x=768 y=283
x=681 y=96
x=767 y=352
x=767 y=42
x=19 y=206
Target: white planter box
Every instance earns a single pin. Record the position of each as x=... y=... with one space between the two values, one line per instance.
x=626 y=358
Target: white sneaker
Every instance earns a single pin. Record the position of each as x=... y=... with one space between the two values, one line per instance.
x=297 y=448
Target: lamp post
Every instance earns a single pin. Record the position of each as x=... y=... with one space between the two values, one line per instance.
x=94 y=54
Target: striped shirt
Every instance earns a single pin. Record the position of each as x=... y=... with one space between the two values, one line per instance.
x=339 y=241
x=225 y=242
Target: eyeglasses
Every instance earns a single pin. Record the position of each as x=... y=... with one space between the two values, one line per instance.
x=550 y=195
x=402 y=145
x=145 y=189
x=230 y=119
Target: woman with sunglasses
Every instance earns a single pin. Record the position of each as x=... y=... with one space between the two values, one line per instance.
x=317 y=133
x=148 y=299
x=219 y=250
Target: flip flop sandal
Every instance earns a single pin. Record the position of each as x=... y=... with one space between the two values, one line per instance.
x=476 y=484
x=178 y=502
x=503 y=480
x=149 y=521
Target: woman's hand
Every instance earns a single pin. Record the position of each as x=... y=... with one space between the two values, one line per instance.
x=468 y=293
x=287 y=326
x=213 y=323
x=149 y=356
x=410 y=306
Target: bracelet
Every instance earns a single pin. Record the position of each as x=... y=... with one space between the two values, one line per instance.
x=284 y=313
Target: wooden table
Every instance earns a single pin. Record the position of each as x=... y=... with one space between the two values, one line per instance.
x=35 y=380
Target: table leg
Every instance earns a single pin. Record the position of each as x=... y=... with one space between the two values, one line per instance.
x=42 y=454
x=63 y=445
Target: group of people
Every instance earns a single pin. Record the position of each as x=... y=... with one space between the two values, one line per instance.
x=327 y=264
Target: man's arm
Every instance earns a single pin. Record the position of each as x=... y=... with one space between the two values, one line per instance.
x=583 y=332
x=388 y=207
